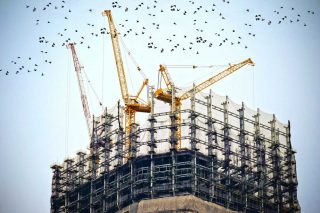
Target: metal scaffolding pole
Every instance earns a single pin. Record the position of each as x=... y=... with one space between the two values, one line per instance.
x=131 y=159
x=80 y=177
x=55 y=187
x=212 y=138
x=106 y=164
x=276 y=158
x=227 y=145
x=94 y=162
x=173 y=142
x=193 y=141
x=261 y=162
x=244 y=166
x=69 y=181
x=152 y=144
x=291 y=173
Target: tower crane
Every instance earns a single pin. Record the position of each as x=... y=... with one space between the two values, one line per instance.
x=133 y=104
x=84 y=100
x=166 y=95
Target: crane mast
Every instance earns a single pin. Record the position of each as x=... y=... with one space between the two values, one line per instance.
x=166 y=96
x=133 y=104
x=165 y=75
x=118 y=58
x=84 y=100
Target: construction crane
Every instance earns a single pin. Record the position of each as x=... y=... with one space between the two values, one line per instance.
x=84 y=100
x=160 y=94
x=133 y=104
x=166 y=95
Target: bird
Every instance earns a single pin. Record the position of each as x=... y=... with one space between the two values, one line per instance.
x=34 y=9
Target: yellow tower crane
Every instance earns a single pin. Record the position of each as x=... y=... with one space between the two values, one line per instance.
x=133 y=104
x=166 y=95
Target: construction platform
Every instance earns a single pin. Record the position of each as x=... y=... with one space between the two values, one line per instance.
x=229 y=158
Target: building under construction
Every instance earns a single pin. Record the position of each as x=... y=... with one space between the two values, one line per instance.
x=195 y=152
x=230 y=155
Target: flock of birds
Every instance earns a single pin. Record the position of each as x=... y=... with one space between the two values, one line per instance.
x=149 y=27
x=198 y=25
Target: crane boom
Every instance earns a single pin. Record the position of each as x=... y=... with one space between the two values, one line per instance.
x=165 y=75
x=231 y=69
x=117 y=54
x=84 y=100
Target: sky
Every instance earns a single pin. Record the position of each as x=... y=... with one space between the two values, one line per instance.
x=42 y=121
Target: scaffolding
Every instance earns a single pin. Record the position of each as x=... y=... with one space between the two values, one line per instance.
x=230 y=155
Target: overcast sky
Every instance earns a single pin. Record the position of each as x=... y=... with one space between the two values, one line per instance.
x=42 y=120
